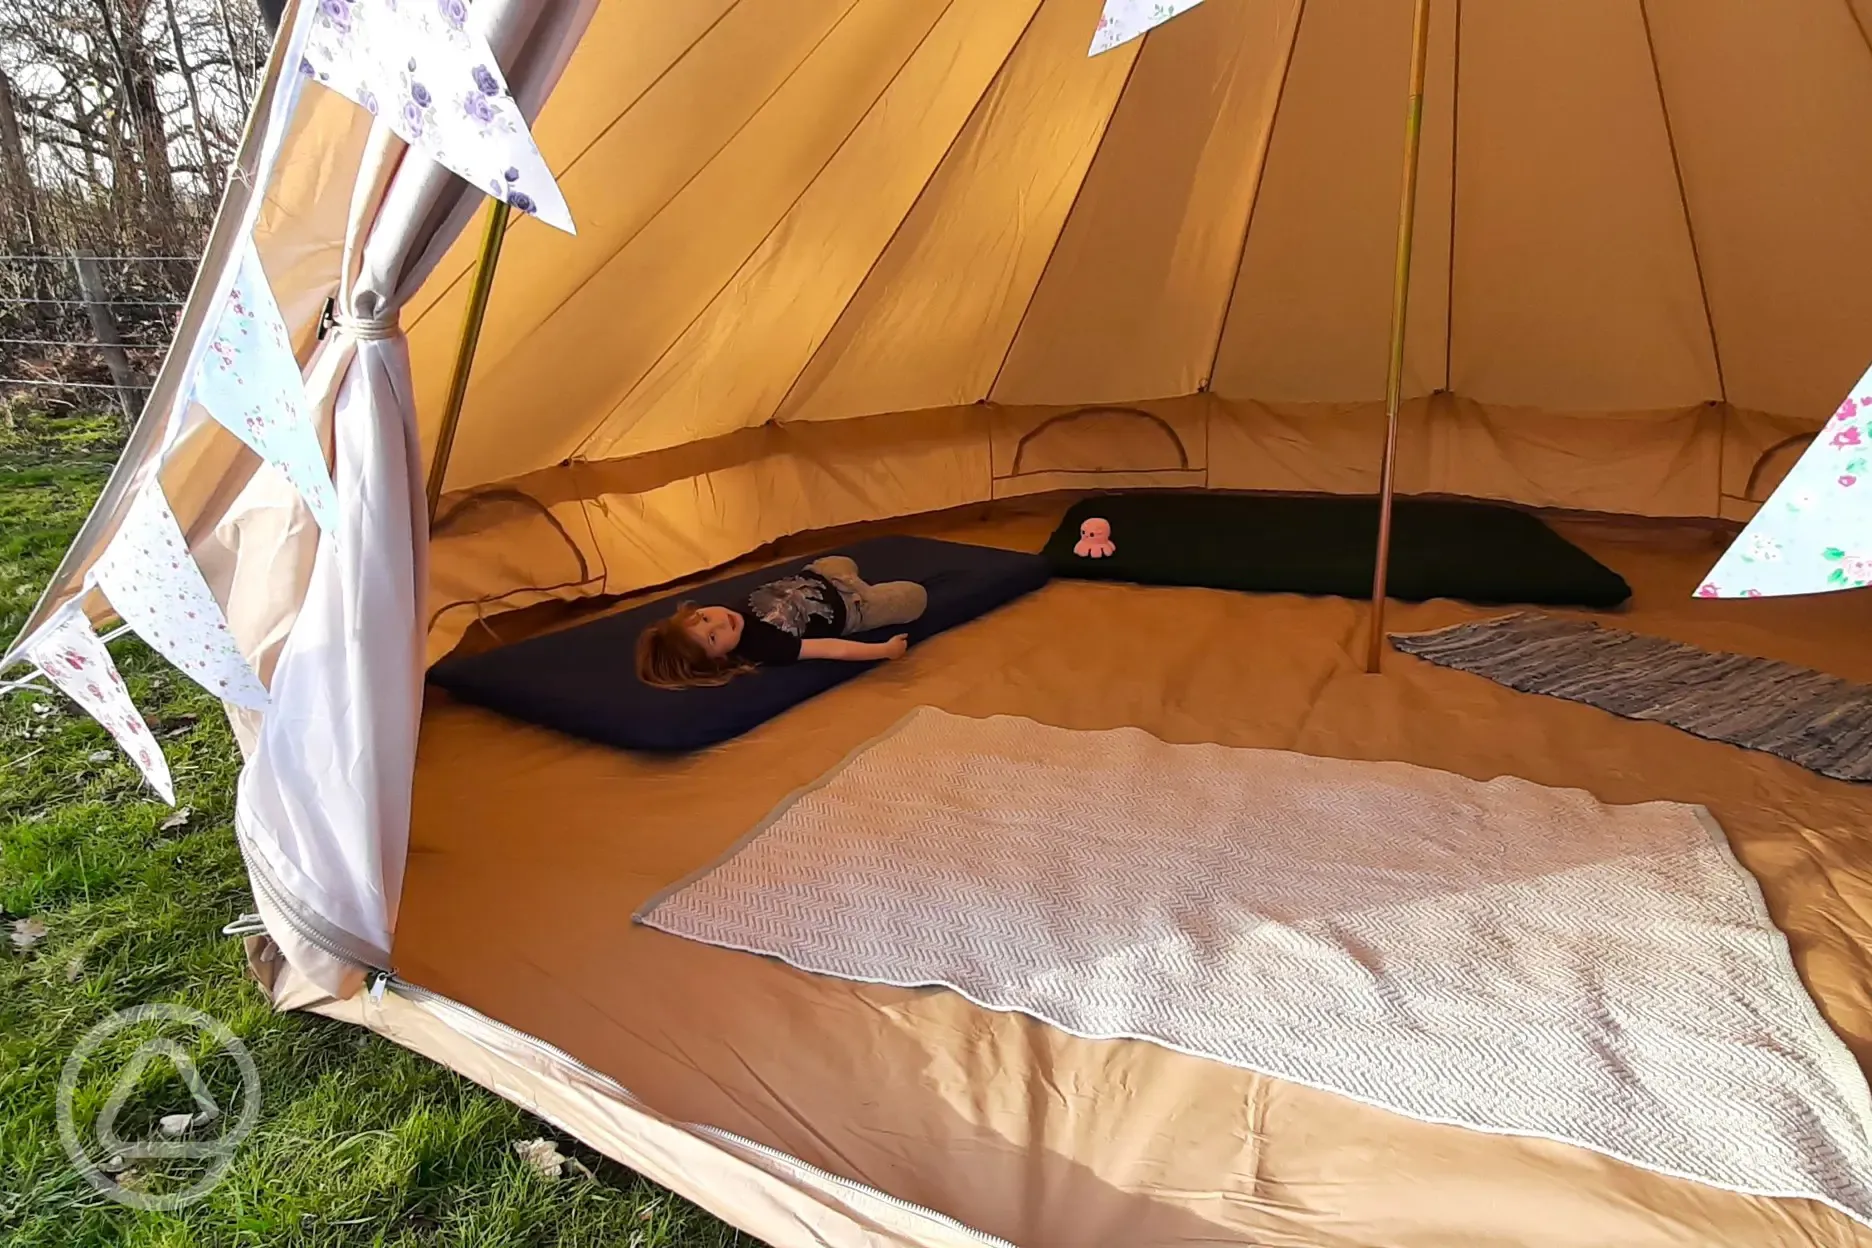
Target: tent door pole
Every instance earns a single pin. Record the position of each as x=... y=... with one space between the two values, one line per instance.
x=492 y=235
x=1400 y=301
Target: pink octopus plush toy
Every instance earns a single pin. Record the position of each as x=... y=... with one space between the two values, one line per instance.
x=1095 y=540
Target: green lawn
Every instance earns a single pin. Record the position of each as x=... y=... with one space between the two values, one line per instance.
x=359 y=1142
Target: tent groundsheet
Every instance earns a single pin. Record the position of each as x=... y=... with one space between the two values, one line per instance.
x=1022 y=1131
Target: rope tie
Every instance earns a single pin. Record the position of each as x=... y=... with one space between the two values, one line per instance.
x=367 y=328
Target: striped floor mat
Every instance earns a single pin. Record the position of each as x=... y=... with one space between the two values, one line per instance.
x=1818 y=721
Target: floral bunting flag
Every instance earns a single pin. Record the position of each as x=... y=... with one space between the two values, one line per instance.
x=154 y=584
x=1814 y=533
x=1125 y=20
x=249 y=381
x=424 y=69
x=73 y=658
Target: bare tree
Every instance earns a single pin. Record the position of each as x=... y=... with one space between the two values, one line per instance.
x=118 y=120
x=149 y=173
x=211 y=169
x=133 y=107
x=19 y=224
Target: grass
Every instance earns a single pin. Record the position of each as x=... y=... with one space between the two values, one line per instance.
x=358 y=1141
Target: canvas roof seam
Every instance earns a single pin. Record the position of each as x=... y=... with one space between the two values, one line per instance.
x=1864 y=33
x=1066 y=219
x=1683 y=200
x=910 y=211
x=585 y=281
x=779 y=221
x=1254 y=202
x=468 y=268
x=1455 y=153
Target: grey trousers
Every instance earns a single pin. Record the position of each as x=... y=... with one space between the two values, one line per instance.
x=871 y=606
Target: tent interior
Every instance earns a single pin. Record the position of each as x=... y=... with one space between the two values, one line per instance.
x=856 y=266
x=531 y=850
x=916 y=267
x=842 y=260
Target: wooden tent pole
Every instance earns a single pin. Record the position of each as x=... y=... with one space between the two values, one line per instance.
x=492 y=235
x=1400 y=300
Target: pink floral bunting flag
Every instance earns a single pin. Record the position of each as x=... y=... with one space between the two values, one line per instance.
x=423 y=68
x=153 y=583
x=73 y=658
x=249 y=381
x=1814 y=534
x=1125 y=20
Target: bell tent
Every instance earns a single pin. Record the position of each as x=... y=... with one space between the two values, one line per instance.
x=845 y=268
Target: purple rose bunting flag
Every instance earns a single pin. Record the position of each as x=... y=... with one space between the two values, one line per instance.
x=249 y=381
x=423 y=68
x=1125 y=20
x=153 y=583
x=1814 y=533
x=73 y=658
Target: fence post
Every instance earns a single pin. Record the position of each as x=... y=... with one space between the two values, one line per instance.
x=104 y=326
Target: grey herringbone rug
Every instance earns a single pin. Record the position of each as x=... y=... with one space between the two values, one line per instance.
x=1818 y=721
x=1502 y=956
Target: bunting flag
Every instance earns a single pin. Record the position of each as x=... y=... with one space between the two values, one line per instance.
x=1814 y=534
x=153 y=583
x=424 y=69
x=73 y=658
x=1125 y=20
x=249 y=381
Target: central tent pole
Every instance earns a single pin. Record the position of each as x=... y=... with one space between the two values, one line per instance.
x=492 y=235
x=1400 y=299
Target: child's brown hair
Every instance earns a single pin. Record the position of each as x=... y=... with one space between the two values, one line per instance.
x=669 y=656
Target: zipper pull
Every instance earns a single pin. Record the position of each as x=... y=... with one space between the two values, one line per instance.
x=245 y=925
x=378 y=981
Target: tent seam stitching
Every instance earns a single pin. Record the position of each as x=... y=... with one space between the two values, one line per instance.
x=1254 y=203
x=1455 y=155
x=585 y=151
x=916 y=201
x=1683 y=201
x=778 y=221
x=1046 y=266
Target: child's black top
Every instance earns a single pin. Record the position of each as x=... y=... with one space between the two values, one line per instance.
x=782 y=613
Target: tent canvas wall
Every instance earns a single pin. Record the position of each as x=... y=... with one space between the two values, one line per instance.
x=844 y=261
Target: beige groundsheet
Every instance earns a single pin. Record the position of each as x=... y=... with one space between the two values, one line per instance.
x=530 y=852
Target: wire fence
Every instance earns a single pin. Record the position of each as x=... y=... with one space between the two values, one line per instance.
x=61 y=258
x=101 y=303
x=48 y=342
x=79 y=324
x=74 y=385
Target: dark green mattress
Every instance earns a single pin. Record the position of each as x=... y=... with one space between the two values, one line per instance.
x=1475 y=552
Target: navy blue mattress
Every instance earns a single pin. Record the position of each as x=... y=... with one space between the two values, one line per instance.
x=583 y=681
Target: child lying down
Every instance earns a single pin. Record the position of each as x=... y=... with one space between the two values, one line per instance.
x=809 y=615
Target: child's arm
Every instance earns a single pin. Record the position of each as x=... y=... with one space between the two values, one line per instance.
x=854 y=651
